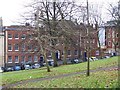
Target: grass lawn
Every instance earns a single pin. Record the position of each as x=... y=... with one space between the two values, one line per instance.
x=108 y=79
x=16 y=76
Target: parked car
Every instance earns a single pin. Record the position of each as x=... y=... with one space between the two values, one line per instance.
x=50 y=62
x=107 y=56
x=17 y=68
x=27 y=67
x=36 y=66
x=9 y=69
x=94 y=58
x=75 y=61
x=1 y=69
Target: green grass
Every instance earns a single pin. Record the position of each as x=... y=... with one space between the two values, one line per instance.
x=108 y=79
x=13 y=77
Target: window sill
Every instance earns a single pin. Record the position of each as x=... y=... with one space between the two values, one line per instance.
x=9 y=62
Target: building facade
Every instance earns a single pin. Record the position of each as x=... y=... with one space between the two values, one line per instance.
x=18 y=51
x=111 y=38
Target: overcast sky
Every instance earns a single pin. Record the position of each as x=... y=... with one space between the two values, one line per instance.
x=10 y=10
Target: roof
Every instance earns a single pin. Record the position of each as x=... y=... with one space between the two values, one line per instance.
x=18 y=28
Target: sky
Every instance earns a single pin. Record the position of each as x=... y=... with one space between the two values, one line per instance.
x=11 y=10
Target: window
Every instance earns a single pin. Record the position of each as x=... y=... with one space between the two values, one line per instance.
x=16 y=59
x=29 y=58
x=77 y=43
x=9 y=47
x=109 y=43
x=30 y=36
x=23 y=58
x=30 y=47
x=16 y=36
x=35 y=48
x=109 y=35
x=23 y=36
x=23 y=47
x=76 y=52
x=62 y=52
x=117 y=35
x=35 y=58
x=117 y=43
x=68 y=52
x=9 y=59
x=16 y=47
x=93 y=41
x=9 y=36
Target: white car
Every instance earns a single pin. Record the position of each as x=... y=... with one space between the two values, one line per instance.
x=1 y=70
x=36 y=66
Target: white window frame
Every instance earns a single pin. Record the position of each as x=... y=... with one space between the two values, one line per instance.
x=18 y=47
x=17 y=37
x=18 y=59
x=8 y=36
x=8 y=59
x=23 y=35
x=35 y=58
x=109 y=43
x=109 y=35
x=8 y=47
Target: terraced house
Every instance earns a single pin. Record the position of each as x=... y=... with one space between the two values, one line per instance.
x=18 y=51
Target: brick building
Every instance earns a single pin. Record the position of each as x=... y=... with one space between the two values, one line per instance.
x=17 y=52
x=111 y=38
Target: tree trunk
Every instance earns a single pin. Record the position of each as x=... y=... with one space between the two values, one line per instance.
x=45 y=58
x=55 y=59
x=88 y=63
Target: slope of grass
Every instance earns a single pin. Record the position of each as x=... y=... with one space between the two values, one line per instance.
x=100 y=79
x=12 y=77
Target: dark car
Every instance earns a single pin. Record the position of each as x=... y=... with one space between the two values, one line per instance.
x=7 y=69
